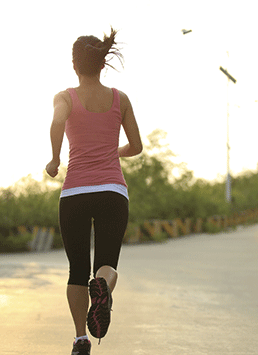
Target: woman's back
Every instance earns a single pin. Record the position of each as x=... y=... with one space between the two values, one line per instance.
x=95 y=99
x=93 y=129
x=80 y=111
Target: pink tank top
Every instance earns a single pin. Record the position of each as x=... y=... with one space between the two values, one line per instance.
x=93 y=142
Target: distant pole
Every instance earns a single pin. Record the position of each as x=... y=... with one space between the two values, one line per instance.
x=228 y=181
x=186 y=31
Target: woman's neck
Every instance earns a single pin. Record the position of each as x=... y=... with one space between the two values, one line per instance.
x=92 y=81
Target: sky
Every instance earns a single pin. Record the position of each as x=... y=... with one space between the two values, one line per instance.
x=172 y=80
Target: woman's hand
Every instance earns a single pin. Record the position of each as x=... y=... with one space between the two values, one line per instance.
x=52 y=168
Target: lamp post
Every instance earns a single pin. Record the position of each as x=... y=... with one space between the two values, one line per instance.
x=186 y=31
x=228 y=181
x=230 y=77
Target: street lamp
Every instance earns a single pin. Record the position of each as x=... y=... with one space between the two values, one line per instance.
x=230 y=77
x=186 y=31
x=228 y=182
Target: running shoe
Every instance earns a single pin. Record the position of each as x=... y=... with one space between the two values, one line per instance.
x=101 y=302
x=82 y=347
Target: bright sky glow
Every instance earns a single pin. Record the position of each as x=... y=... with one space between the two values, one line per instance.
x=173 y=80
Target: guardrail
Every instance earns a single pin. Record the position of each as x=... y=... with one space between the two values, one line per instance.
x=151 y=230
x=42 y=238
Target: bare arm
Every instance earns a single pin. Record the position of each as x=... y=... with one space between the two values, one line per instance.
x=131 y=129
x=61 y=113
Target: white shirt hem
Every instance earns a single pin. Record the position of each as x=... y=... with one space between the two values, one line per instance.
x=121 y=189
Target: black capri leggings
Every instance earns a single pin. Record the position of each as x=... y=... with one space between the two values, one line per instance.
x=109 y=211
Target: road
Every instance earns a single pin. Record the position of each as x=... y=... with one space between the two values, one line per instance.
x=194 y=295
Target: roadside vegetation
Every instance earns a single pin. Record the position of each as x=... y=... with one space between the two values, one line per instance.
x=159 y=188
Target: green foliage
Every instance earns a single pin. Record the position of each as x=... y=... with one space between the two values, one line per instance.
x=210 y=228
x=148 y=177
x=245 y=191
x=159 y=188
x=161 y=237
x=57 y=242
x=30 y=202
x=15 y=243
x=156 y=193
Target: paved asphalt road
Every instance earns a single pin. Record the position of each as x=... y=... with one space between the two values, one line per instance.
x=189 y=296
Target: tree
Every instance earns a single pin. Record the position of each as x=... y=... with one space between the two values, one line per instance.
x=149 y=178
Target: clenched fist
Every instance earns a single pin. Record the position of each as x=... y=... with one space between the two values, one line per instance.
x=52 y=168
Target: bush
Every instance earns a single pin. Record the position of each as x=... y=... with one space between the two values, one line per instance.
x=57 y=242
x=155 y=190
x=15 y=243
x=211 y=228
x=161 y=237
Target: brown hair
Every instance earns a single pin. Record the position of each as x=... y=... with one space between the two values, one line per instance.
x=89 y=53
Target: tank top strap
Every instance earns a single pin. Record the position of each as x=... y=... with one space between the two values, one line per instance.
x=74 y=96
x=76 y=102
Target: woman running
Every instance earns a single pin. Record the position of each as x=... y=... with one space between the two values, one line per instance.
x=94 y=188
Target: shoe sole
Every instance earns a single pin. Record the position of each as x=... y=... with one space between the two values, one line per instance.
x=99 y=314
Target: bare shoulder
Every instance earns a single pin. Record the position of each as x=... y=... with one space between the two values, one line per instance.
x=62 y=106
x=124 y=102
x=123 y=97
x=63 y=96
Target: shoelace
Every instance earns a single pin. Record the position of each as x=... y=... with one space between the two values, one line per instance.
x=82 y=341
